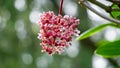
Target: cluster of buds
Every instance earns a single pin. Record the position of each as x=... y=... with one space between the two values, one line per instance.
x=56 y=32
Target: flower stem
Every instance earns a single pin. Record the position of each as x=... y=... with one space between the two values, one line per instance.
x=86 y=4
x=60 y=9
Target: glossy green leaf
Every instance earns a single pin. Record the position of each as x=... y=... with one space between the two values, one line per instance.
x=94 y=30
x=111 y=49
x=115 y=14
x=115 y=6
x=102 y=42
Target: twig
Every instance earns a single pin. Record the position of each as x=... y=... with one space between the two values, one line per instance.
x=106 y=8
x=116 y=9
x=86 y=4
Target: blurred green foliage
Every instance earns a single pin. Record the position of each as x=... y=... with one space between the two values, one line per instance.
x=19 y=46
x=115 y=14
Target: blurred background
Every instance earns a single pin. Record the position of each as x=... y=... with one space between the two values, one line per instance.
x=19 y=46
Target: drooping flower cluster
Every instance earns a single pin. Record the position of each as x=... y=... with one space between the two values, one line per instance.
x=56 y=32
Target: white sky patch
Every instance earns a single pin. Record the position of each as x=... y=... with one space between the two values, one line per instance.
x=34 y=16
x=0 y=19
x=38 y=2
x=65 y=63
x=20 y=5
x=107 y=3
x=110 y=34
x=94 y=17
x=20 y=28
x=27 y=58
x=70 y=8
x=99 y=62
x=44 y=61
x=2 y=23
x=73 y=50
x=4 y=17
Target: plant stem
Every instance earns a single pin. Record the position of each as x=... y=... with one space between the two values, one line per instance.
x=60 y=9
x=116 y=10
x=106 y=8
x=86 y=4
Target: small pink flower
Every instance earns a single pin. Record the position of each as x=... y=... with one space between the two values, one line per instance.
x=56 y=32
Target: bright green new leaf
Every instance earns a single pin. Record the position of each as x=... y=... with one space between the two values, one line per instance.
x=111 y=49
x=115 y=14
x=94 y=30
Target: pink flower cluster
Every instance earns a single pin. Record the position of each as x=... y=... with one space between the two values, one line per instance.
x=56 y=32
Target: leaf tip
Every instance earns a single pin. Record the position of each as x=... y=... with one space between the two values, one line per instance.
x=77 y=39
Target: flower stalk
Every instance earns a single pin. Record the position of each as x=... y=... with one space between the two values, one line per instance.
x=60 y=9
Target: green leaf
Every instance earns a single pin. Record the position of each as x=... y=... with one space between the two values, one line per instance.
x=102 y=42
x=115 y=14
x=111 y=49
x=118 y=17
x=94 y=30
x=115 y=6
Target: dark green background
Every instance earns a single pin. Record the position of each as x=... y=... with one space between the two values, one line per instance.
x=19 y=46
